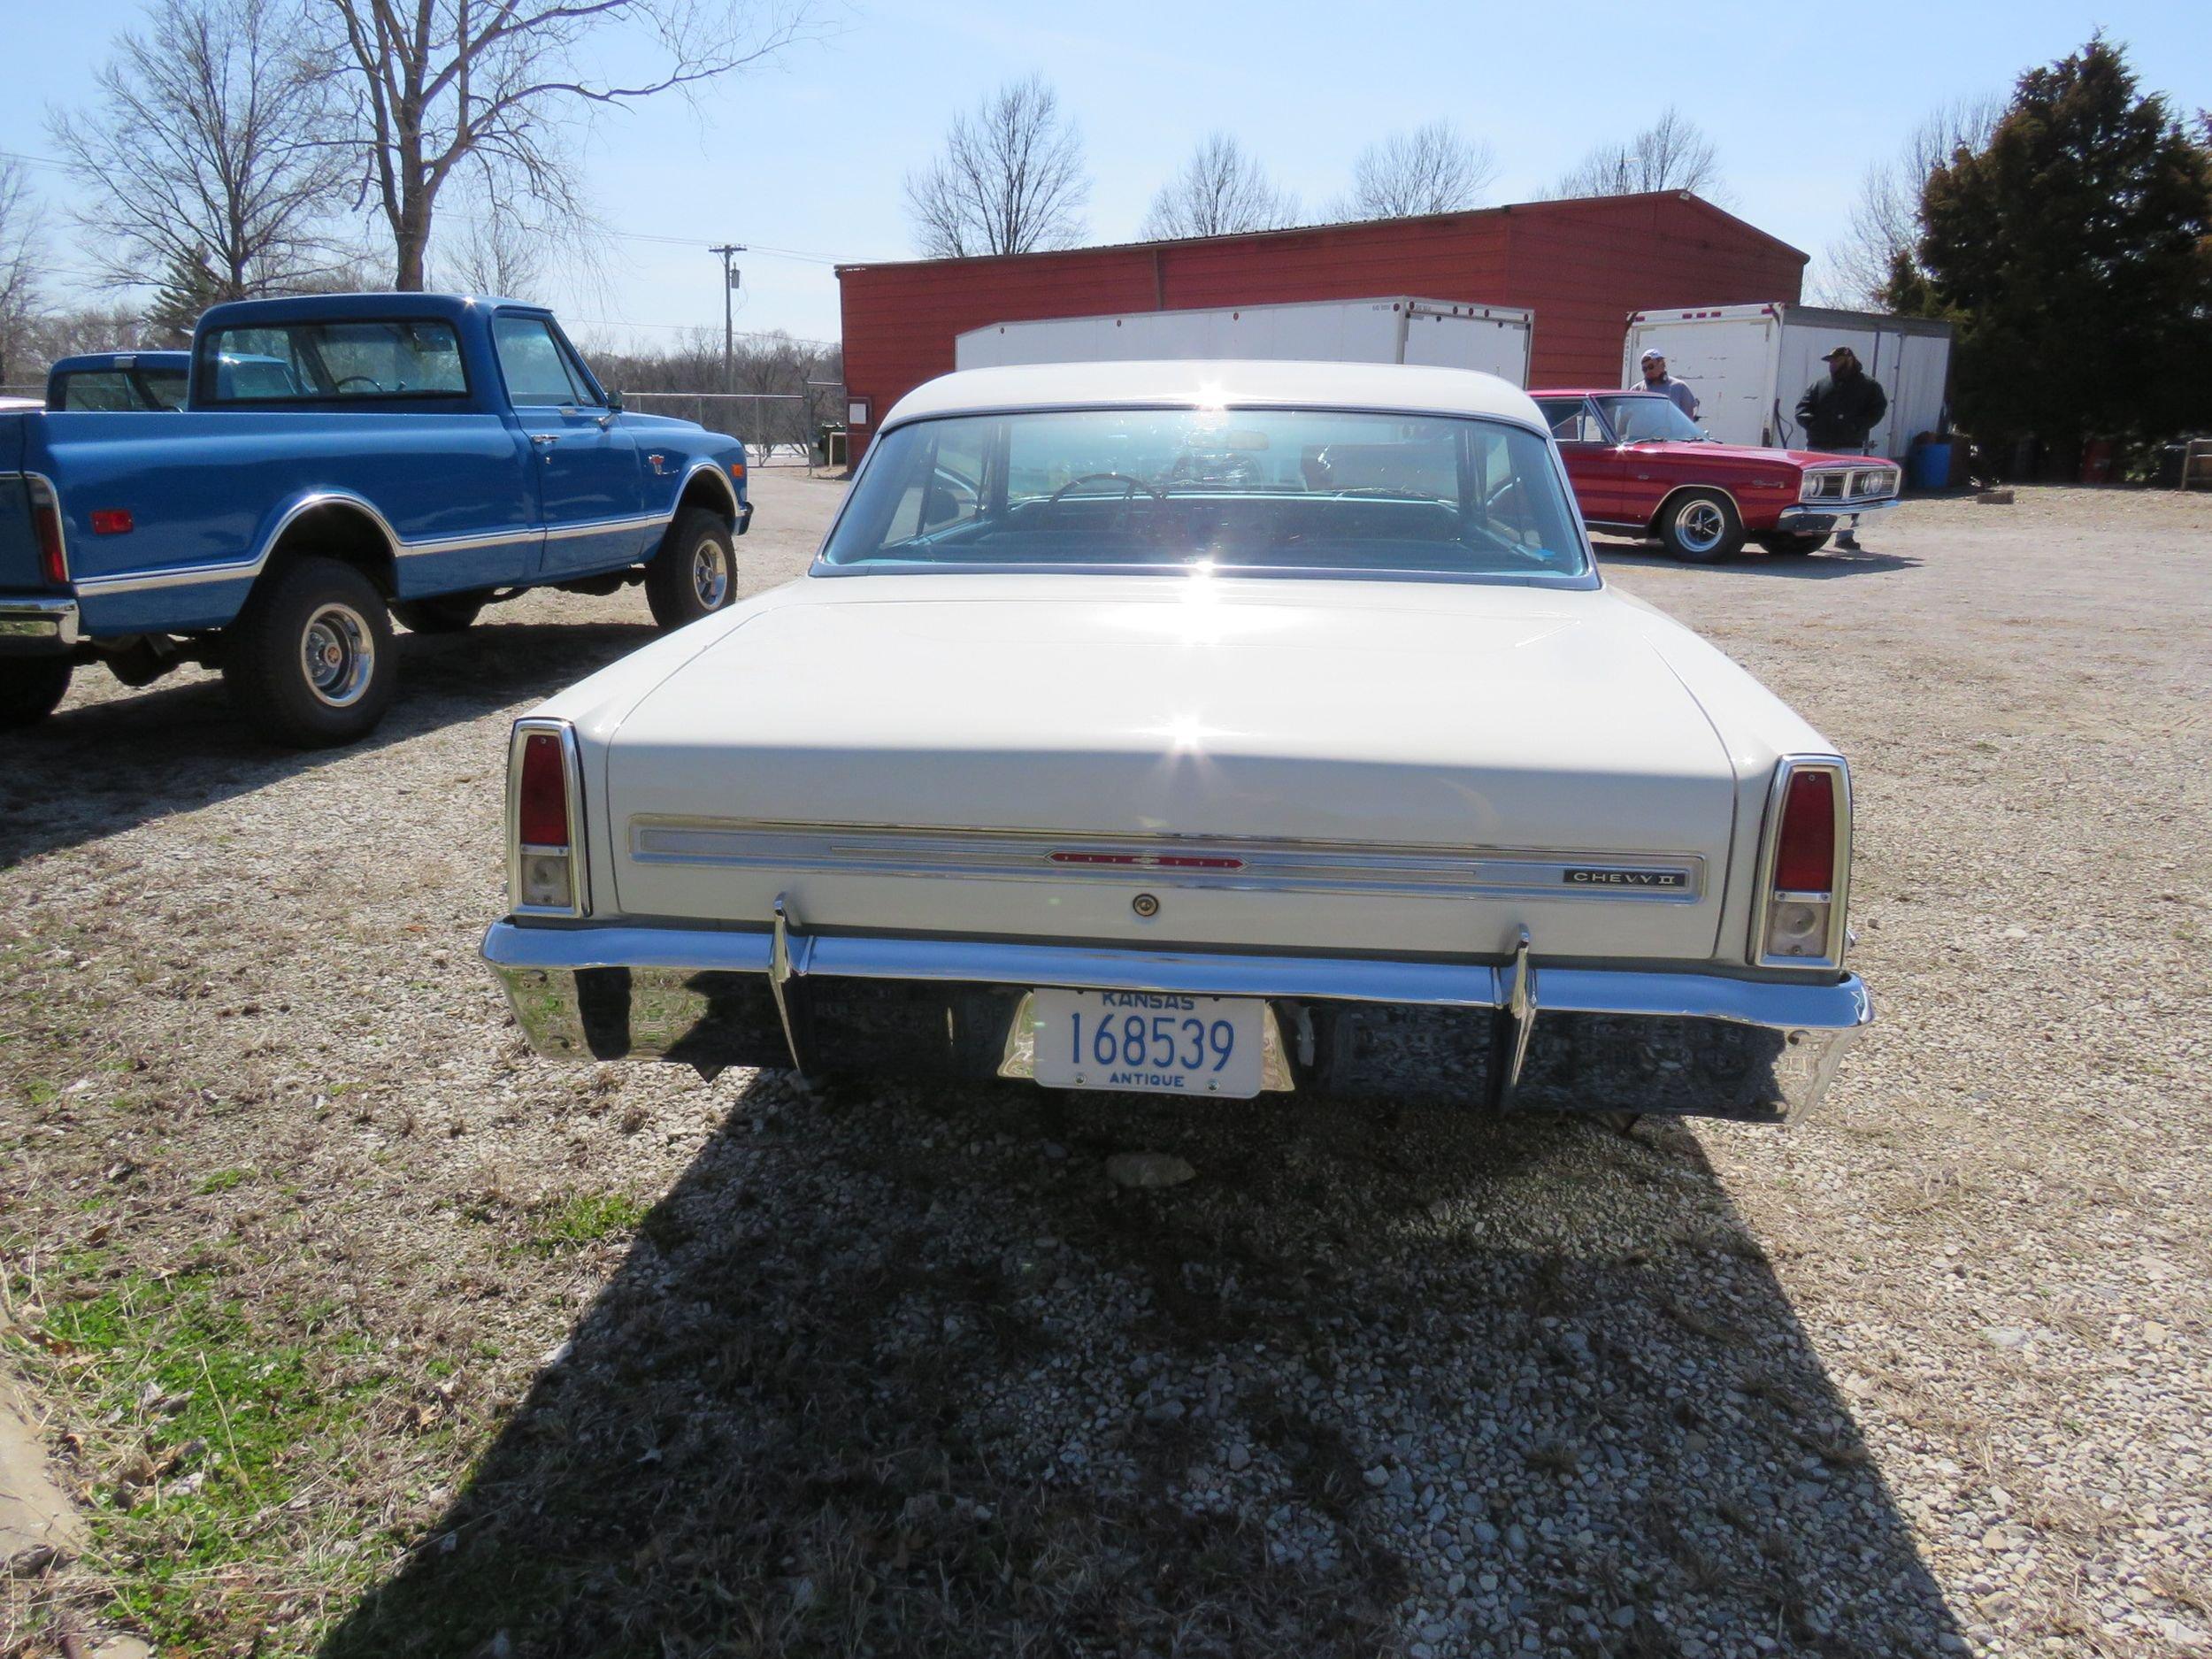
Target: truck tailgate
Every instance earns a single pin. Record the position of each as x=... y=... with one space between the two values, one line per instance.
x=18 y=543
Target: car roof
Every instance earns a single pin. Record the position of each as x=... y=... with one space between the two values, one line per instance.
x=1593 y=391
x=88 y=360
x=1224 y=382
x=338 y=307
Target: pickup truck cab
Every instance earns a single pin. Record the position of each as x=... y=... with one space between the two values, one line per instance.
x=1641 y=467
x=114 y=381
x=341 y=461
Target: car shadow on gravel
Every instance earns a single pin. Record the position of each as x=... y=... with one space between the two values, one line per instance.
x=107 y=766
x=900 y=1371
x=1828 y=564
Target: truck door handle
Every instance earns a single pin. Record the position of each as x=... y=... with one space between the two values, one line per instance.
x=545 y=437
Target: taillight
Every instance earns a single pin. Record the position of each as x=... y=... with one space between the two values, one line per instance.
x=1805 y=856
x=112 y=521
x=543 y=811
x=53 y=558
x=1806 y=865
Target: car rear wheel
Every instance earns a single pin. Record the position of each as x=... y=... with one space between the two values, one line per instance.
x=1793 y=546
x=30 y=690
x=1701 y=527
x=694 y=574
x=447 y=613
x=309 y=659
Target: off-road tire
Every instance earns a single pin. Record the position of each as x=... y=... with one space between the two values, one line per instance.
x=694 y=573
x=310 y=660
x=30 y=688
x=447 y=613
x=1793 y=546
x=1701 y=526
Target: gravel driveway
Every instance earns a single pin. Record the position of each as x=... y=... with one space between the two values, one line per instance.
x=359 y=1330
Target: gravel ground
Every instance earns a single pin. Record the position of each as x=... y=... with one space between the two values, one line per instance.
x=358 y=1329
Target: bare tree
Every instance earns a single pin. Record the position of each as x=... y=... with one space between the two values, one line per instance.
x=442 y=85
x=1220 y=190
x=1432 y=169
x=1885 y=221
x=1011 y=179
x=208 y=145
x=20 y=252
x=1672 y=153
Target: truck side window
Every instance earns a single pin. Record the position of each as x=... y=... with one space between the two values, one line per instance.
x=537 y=370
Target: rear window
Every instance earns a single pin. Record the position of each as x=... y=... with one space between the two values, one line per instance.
x=106 y=389
x=1263 y=491
x=350 y=361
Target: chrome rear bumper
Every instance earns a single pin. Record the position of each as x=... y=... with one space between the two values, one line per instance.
x=37 y=626
x=1515 y=1034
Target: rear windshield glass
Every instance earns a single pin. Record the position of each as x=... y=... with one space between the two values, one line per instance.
x=1643 y=419
x=1265 y=490
x=335 y=362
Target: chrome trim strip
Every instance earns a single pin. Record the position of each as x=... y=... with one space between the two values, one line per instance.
x=1770 y=837
x=27 y=618
x=609 y=526
x=572 y=783
x=235 y=570
x=721 y=477
x=1262 y=866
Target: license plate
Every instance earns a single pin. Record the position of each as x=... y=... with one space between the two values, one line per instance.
x=1156 y=1042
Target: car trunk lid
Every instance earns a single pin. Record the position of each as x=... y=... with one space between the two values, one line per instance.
x=1377 y=767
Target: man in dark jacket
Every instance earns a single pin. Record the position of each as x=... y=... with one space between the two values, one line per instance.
x=1838 y=412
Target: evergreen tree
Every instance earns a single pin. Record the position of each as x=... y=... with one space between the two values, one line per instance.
x=190 y=288
x=2074 y=252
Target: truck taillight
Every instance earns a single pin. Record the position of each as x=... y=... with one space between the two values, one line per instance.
x=1804 y=865
x=544 y=819
x=53 y=556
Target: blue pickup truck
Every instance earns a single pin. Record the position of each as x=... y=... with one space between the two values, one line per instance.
x=113 y=380
x=341 y=461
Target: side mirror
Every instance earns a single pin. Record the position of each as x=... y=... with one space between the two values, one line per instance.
x=614 y=402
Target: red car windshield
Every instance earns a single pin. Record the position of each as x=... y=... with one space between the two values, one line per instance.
x=1640 y=417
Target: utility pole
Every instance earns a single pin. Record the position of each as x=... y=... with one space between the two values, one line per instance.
x=728 y=251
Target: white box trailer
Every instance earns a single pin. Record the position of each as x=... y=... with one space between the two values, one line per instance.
x=1749 y=365
x=1441 y=334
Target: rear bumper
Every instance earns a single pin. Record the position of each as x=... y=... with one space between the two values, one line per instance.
x=1468 y=1032
x=36 y=626
x=1812 y=516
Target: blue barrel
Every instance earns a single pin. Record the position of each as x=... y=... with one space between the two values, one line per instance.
x=1929 y=466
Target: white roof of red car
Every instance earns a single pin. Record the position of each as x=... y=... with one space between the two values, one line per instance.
x=1391 y=387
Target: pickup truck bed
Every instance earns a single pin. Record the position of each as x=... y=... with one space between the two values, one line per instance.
x=341 y=460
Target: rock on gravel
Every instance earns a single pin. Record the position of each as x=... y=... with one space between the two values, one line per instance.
x=1148 y=1168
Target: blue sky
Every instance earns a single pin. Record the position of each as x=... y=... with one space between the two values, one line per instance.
x=807 y=155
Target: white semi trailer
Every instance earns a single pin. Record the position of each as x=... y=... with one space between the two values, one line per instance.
x=1749 y=365
x=1441 y=334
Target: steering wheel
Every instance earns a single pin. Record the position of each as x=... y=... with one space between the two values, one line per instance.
x=374 y=385
x=1129 y=489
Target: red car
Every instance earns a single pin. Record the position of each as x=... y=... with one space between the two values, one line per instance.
x=1641 y=467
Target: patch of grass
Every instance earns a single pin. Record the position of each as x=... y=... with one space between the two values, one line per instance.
x=223 y=1180
x=584 y=1218
x=217 y=1425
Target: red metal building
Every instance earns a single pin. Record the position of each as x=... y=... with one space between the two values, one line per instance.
x=1581 y=266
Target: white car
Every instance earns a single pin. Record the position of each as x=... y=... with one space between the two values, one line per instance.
x=1209 y=728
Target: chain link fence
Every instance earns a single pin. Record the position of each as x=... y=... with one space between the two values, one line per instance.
x=773 y=426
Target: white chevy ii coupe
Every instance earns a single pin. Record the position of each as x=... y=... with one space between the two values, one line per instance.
x=1207 y=728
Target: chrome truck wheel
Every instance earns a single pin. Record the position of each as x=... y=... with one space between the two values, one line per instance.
x=309 y=659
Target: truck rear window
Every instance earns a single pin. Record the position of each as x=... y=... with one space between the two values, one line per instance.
x=352 y=361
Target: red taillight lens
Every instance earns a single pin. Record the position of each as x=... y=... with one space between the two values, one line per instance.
x=1805 y=854
x=46 y=525
x=541 y=817
x=112 y=521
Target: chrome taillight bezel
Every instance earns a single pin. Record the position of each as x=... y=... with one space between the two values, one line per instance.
x=1836 y=898
x=578 y=851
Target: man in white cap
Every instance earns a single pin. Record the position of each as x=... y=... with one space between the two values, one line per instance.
x=1657 y=379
